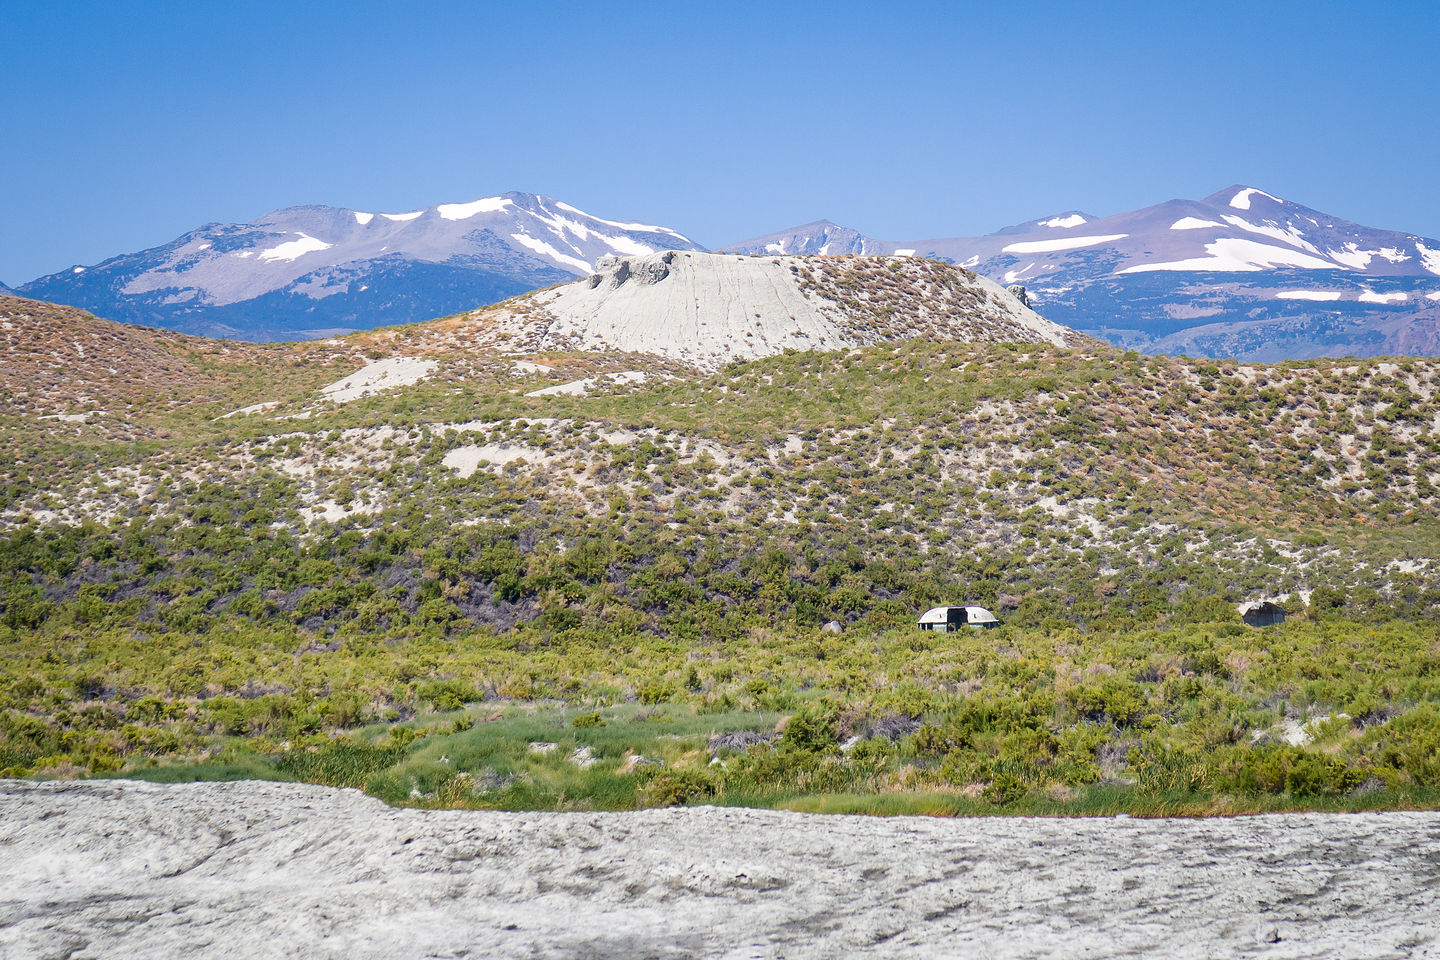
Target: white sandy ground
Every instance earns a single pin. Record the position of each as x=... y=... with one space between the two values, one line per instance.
x=379 y=375
x=581 y=388
x=466 y=459
x=261 y=870
x=253 y=408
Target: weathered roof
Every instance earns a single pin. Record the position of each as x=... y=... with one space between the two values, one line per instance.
x=972 y=615
x=980 y=615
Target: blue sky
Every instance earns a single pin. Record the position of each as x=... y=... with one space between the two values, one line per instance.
x=126 y=124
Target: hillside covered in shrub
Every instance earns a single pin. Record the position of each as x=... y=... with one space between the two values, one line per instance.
x=469 y=589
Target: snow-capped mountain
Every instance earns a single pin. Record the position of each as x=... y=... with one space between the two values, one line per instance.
x=315 y=270
x=1240 y=273
x=821 y=238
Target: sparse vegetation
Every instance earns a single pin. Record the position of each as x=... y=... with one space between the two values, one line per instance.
x=641 y=570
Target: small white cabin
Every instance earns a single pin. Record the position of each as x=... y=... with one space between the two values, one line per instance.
x=949 y=619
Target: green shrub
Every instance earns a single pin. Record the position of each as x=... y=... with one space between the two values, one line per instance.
x=1004 y=789
x=813 y=729
x=672 y=788
x=339 y=763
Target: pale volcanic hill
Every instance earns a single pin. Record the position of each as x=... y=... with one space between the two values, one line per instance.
x=706 y=309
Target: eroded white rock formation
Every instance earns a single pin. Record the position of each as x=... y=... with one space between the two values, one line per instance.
x=707 y=309
x=254 y=870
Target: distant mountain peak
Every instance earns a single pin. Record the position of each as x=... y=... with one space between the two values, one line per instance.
x=1242 y=272
x=1238 y=196
x=315 y=270
x=818 y=238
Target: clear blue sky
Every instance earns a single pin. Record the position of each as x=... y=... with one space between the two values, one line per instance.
x=126 y=124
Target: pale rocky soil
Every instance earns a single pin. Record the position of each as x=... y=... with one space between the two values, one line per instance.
x=121 y=869
x=707 y=309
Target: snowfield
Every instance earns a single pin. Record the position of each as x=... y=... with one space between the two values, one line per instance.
x=1241 y=200
x=1232 y=254
x=638 y=227
x=270 y=870
x=1320 y=296
x=291 y=249
x=1074 y=220
x=464 y=211
x=1194 y=223
x=541 y=247
x=1060 y=243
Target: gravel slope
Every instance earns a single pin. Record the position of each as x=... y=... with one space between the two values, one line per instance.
x=112 y=869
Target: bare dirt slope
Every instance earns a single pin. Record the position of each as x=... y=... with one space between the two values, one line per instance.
x=280 y=870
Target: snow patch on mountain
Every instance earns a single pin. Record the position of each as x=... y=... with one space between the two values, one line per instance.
x=1370 y=296
x=636 y=227
x=1320 y=296
x=541 y=247
x=561 y=226
x=1284 y=234
x=464 y=211
x=1194 y=223
x=1353 y=256
x=363 y=218
x=1060 y=243
x=1241 y=200
x=292 y=249
x=1073 y=220
x=1429 y=259
x=625 y=245
x=402 y=217
x=1231 y=255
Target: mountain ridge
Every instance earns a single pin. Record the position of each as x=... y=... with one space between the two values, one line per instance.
x=312 y=270
x=1239 y=273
